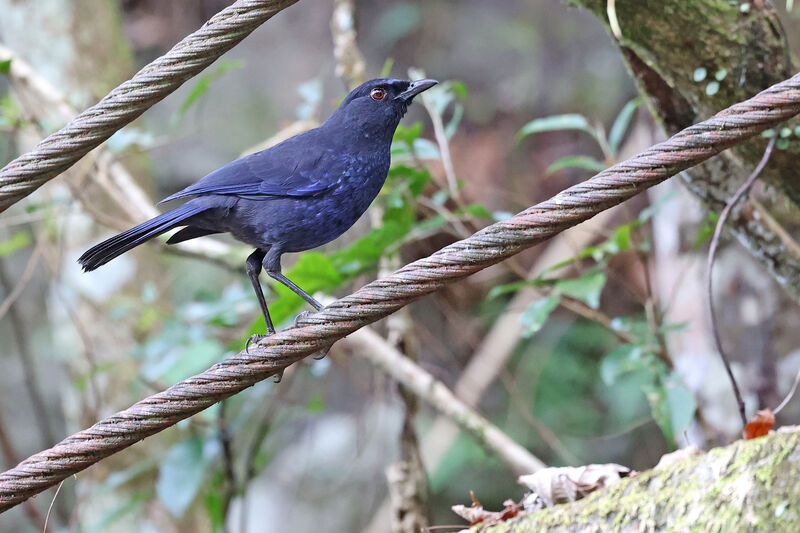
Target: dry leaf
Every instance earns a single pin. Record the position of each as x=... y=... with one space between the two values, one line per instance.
x=759 y=425
x=476 y=514
x=550 y=486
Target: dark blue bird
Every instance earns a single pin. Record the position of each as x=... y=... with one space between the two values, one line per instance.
x=297 y=195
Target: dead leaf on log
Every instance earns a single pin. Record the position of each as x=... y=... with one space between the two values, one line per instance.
x=551 y=486
x=476 y=514
x=759 y=425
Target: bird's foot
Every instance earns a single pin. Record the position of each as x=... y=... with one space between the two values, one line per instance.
x=256 y=338
x=300 y=316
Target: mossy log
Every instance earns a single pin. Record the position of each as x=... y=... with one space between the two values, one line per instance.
x=749 y=485
x=692 y=58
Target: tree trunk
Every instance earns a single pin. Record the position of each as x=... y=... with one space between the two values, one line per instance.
x=747 y=486
x=690 y=59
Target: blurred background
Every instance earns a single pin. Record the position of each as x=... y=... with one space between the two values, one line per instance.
x=591 y=348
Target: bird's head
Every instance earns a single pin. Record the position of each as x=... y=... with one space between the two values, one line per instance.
x=379 y=104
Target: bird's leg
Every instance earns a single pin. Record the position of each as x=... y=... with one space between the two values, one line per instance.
x=272 y=264
x=297 y=290
x=253 y=268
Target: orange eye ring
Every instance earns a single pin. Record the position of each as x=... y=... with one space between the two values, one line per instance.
x=378 y=93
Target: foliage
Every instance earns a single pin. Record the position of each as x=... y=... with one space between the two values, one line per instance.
x=609 y=143
x=671 y=404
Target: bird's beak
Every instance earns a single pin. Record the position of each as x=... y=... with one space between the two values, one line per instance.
x=415 y=88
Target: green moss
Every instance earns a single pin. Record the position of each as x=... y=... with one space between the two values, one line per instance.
x=750 y=485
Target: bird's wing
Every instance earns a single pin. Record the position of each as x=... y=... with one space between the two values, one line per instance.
x=263 y=174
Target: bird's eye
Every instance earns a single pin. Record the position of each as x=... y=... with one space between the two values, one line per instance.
x=378 y=94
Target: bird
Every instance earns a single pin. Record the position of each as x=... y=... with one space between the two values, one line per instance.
x=297 y=195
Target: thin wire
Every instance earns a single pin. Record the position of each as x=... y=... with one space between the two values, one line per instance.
x=712 y=255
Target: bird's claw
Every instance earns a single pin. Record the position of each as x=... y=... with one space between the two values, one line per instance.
x=300 y=316
x=256 y=338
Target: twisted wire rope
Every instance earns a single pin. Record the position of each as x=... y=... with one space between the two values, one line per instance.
x=122 y=105
x=384 y=296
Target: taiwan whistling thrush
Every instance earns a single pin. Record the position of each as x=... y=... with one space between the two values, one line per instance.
x=297 y=195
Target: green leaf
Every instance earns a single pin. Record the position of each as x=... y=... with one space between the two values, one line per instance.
x=386 y=69
x=556 y=123
x=215 y=506
x=639 y=328
x=313 y=272
x=576 y=161
x=194 y=359
x=671 y=404
x=681 y=402
x=536 y=315
x=459 y=88
x=5 y=66
x=316 y=405
x=621 y=239
x=621 y=124
x=452 y=126
x=180 y=476
x=706 y=230
x=415 y=179
x=364 y=254
x=16 y=242
x=508 y=287
x=659 y=408
x=587 y=288
x=624 y=359
x=426 y=149
x=476 y=210
x=431 y=224
x=408 y=134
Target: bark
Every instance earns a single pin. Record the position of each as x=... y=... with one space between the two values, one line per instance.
x=664 y=43
x=747 y=486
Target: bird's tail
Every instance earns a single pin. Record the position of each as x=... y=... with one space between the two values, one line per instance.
x=115 y=246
